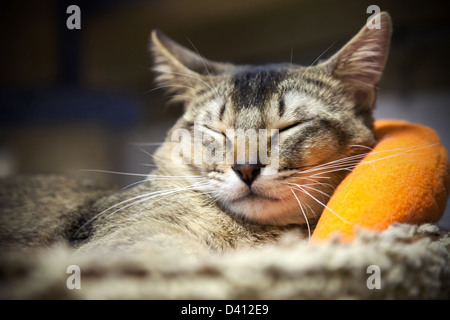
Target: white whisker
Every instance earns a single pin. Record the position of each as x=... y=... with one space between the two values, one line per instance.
x=317 y=190
x=133 y=184
x=162 y=159
x=172 y=86
x=317 y=182
x=404 y=151
x=316 y=175
x=116 y=172
x=135 y=200
x=324 y=205
x=360 y=146
x=314 y=62
x=206 y=68
x=166 y=166
x=189 y=76
x=153 y=176
x=158 y=194
x=304 y=215
x=149 y=144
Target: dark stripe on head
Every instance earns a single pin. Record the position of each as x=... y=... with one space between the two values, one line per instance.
x=281 y=108
x=316 y=82
x=254 y=87
x=221 y=112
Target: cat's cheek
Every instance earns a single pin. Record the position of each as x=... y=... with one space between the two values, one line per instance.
x=232 y=188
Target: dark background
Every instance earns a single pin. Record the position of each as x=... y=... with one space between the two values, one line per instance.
x=81 y=99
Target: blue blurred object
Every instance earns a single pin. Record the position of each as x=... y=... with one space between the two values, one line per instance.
x=68 y=105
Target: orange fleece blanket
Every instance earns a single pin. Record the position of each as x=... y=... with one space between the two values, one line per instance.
x=405 y=178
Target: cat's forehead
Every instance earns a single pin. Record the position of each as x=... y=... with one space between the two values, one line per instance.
x=268 y=96
x=286 y=107
x=254 y=87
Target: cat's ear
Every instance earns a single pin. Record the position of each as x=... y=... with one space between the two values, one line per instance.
x=181 y=71
x=361 y=61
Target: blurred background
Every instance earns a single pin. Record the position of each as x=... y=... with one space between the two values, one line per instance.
x=81 y=99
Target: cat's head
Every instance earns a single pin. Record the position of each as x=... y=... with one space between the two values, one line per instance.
x=316 y=120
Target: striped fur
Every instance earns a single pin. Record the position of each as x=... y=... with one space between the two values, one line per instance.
x=322 y=112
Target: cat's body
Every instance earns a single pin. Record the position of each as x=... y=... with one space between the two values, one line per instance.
x=60 y=212
x=184 y=222
x=323 y=115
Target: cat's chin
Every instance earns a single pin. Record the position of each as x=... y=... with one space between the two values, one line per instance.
x=265 y=210
x=256 y=197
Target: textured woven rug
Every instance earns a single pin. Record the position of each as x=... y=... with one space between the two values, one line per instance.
x=402 y=262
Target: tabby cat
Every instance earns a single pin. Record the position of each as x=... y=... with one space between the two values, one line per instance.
x=320 y=117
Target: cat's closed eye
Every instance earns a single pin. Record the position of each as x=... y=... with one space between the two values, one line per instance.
x=215 y=130
x=294 y=125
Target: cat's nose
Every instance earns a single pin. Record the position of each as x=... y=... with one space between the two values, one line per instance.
x=247 y=172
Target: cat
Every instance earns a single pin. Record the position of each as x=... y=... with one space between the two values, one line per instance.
x=323 y=124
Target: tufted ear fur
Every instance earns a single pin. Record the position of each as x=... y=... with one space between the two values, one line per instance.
x=360 y=62
x=182 y=71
